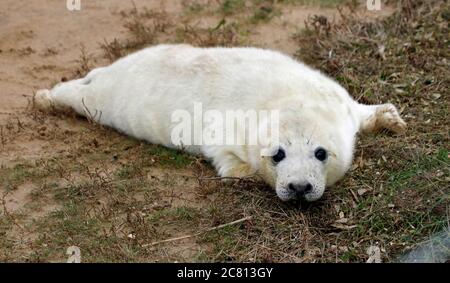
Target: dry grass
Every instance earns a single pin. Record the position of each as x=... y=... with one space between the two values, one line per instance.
x=112 y=195
x=143 y=27
x=150 y=27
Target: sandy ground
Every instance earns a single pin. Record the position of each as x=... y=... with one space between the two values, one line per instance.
x=40 y=42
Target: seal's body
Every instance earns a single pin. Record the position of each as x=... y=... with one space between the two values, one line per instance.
x=318 y=120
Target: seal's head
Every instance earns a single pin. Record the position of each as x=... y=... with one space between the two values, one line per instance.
x=298 y=170
x=305 y=160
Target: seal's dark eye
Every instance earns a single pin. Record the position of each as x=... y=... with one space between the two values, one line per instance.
x=280 y=155
x=321 y=154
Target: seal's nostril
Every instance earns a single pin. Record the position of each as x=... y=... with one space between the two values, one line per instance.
x=292 y=187
x=308 y=188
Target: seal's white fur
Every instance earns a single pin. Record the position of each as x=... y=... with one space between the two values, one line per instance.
x=137 y=95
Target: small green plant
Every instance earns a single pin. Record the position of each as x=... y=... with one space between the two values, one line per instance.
x=229 y=7
x=169 y=157
x=263 y=14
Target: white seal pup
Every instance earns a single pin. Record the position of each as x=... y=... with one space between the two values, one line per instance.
x=318 y=120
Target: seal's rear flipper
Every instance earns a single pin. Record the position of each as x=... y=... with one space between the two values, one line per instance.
x=42 y=100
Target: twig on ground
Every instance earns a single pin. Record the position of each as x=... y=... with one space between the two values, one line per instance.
x=198 y=233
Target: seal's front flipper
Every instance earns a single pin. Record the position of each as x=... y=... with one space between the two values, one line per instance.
x=375 y=118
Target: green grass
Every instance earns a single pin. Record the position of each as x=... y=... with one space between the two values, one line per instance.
x=170 y=158
x=182 y=213
x=229 y=7
x=405 y=178
x=263 y=14
x=11 y=177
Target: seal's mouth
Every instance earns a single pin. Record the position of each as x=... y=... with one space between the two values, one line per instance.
x=286 y=194
x=308 y=197
x=312 y=197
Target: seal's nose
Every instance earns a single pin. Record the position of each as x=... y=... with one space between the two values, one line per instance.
x=300 y=189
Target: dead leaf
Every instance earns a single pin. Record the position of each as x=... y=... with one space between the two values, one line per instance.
x=343 y=227
x=362 y=191
x=374 y=253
